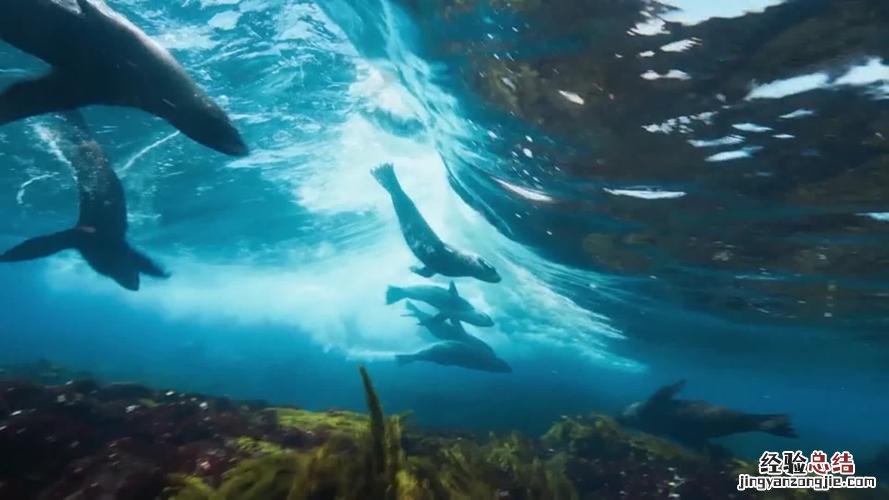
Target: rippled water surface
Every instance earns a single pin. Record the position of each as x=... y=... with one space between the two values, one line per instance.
x=688 y=190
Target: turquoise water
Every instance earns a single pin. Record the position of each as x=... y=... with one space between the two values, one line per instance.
x=280 y=260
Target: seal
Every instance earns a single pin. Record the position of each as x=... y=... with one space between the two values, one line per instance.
x=451 y=353
x=100 y=232
x=695 y=422
x=437 y=256
x=457 y=346
x=439 y=326
x=447 y=300
x=99 y=57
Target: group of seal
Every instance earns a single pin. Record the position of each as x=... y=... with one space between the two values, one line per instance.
x=100 y=57
x=455 y=346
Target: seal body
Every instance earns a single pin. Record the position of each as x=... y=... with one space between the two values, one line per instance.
x=100 y=232
x=456 y=347
x=437 y=257
x=451 y=353
x=100 y=57
x=696 y=422
x=447 y=300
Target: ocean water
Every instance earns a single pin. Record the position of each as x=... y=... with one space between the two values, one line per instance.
x=670 y=191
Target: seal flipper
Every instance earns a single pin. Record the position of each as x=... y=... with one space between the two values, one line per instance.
x=423 y=271
x=89 y=8
x=415 y=312
x=778 y=425
x=385 y=175
x=666 y=393
x=147 y=266
x=55 y=91
x=395 y=294
x=42 y=246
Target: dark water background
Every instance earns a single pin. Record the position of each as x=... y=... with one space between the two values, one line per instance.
x=535 y=134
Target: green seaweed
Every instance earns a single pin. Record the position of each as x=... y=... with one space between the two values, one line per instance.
x=377 y=429
x=253 y=446
x=188 y=488
x=269 y=477
x=369 y=457
x=340 y=423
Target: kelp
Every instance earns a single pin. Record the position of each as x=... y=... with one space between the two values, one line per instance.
x=83 y=439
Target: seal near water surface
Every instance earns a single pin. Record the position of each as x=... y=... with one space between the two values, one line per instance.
x=100 y=232
x=437 y=256
x=447 y=300
x=100 y=57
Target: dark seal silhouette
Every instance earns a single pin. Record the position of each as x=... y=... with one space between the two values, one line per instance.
x=100 y=232
x=447 y=300
x=695 y=422
x=456 y=346
x=437 y=256
x=99 y=57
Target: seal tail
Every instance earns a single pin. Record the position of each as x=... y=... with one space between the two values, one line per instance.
x=404 y=359
x=778 y=425
x=42 y=246
x=394 y=294
x=385 y=175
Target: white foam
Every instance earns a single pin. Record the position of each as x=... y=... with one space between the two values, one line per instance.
x=673 y=74
x=799 y=113
x=728 y=140
x=142 y=152
x=213 y=3
x=646 y=194
x=20 y=195
x=680 y=45
x=737 y=154
x=301 y=21
x=751 y=127
x=874 y=71
x=696 y=11
x=880 y=216
x=526 y=193
x=572 y=97
x=225 y=20
x=187 y=38
x=652 y=26
x=789 y=86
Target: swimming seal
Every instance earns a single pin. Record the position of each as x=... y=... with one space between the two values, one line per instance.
x=456 y=354
x=437 y=256
x=100 y=232
x=100 y=57
x=695 y=422
x=456 y=347
x=447 y=300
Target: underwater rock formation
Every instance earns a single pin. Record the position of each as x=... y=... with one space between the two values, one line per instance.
x=83 y=440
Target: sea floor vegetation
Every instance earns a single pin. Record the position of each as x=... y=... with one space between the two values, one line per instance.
x=80 y=439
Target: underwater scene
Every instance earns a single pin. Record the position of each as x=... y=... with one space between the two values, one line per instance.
x=432 y=249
